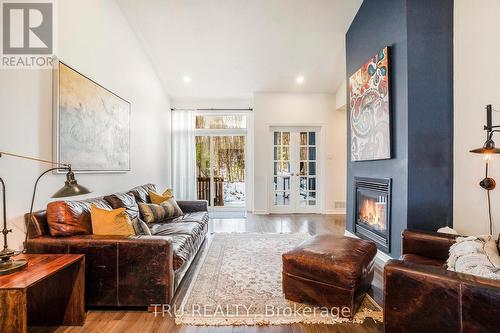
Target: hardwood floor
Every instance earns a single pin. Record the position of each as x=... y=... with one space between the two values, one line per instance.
x=145 y=322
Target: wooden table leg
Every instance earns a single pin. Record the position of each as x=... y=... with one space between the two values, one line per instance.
x=75 y=310
x=62 y=293
x=13 y=311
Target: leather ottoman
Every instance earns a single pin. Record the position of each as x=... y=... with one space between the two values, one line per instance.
x=330 y=271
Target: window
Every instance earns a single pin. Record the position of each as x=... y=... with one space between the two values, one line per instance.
x=235 y=121
x=221 y=159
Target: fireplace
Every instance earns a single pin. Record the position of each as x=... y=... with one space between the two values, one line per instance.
x=372 y=210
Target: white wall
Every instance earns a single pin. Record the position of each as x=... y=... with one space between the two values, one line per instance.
x=476 y=54
x=299 y=110
x=341 y=95
x=95 y=39
x=212 y=103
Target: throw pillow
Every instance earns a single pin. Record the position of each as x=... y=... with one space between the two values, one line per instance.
x=475 y=255
x=157 y=198
x=140 y=227
x=153 y=213
x=111 y=222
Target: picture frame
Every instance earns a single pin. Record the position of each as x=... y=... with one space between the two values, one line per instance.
x=370 y=109
x=91 y=124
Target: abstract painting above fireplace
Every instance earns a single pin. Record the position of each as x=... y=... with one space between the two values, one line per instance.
x=369 y=109
x=372 y=212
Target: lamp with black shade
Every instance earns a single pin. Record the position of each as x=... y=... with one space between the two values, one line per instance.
x=488 y=149
x=70 y=188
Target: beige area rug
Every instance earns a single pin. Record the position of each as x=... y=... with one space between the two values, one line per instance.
x=239 y=283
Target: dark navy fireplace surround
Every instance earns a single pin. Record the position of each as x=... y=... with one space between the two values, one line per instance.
x=420 y=36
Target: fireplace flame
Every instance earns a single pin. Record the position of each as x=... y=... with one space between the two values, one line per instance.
x=373 y=213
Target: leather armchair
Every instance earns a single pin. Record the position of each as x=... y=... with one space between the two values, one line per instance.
x=421 y=295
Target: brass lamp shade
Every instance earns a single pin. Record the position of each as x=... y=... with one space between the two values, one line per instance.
x=71 y=187
x=488 y=148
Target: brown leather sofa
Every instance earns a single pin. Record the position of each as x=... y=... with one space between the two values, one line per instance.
x=123 y=271
x=421 y=295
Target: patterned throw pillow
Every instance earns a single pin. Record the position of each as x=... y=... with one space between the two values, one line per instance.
x=153 y=213
x=157 y=198
x=140 y=227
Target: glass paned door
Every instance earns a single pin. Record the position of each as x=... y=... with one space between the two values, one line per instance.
x=229 y=171
x=295 y=170
x=220 y=170
x=281 y=167
x=308 y=169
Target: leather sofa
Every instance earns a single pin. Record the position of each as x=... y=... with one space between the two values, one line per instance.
x=421 y=295
x=123 y=270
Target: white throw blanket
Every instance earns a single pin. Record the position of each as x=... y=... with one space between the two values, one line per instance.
x=475 y=255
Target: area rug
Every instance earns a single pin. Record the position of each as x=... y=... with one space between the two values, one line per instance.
x=239 y=283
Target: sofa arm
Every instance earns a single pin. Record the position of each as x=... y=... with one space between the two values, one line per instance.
x=427 y=244
x=120 y=271
x=192 y=206
x=421 y=298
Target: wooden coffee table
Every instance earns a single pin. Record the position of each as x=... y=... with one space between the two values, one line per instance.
x=49 y=292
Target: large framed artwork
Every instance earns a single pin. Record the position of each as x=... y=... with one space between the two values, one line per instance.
x=91 y=124
x=369 y=90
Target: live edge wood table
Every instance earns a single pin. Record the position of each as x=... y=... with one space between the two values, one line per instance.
x=49 y=292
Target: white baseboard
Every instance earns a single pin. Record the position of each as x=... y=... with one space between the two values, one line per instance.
x=340 y=211
x=381 y=258
x=261 y=212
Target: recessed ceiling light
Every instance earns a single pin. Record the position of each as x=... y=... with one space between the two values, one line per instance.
x=300 y=79
x=186 y=79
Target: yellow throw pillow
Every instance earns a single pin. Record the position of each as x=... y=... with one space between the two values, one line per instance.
x=159 y=198
x=111 y=222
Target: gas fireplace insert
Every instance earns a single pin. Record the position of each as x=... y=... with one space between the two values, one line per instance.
x=372 y=211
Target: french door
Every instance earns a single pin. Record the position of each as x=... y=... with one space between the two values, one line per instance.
x=295 y=170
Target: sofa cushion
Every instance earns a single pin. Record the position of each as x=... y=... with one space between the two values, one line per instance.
x=124 y=200
x=69 y=218
x=184 y=248
x=416 y=259
x=198 y=217
x=184 y=228
x=141 y=193
x=186 y=238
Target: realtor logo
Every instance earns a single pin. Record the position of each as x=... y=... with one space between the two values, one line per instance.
x=27 y=34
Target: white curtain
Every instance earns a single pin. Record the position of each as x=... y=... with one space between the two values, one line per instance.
x=183 y=154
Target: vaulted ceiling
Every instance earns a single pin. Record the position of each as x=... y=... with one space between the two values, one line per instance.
x=233 y=48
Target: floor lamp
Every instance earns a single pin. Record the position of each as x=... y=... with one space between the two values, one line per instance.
x=70 y=188
x=488 y=149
